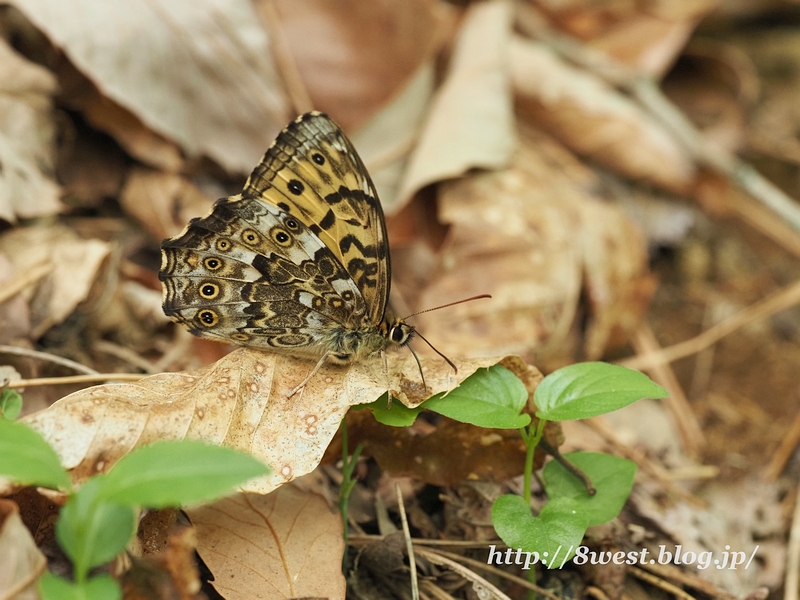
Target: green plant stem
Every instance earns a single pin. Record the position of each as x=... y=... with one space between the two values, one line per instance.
x=348 y=465
x=531 y=440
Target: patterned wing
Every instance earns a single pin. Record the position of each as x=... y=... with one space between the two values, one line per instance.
x=250 y=272
x=312 y=172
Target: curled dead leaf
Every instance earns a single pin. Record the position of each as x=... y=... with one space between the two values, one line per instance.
x=23 y=563
x=242 y=401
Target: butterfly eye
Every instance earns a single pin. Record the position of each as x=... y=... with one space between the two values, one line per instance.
x=291 y=224
x=398 y=334
x=208 y=317
x=318 y=158
x=223 y=245
x=212 y=264
x=209 y=291
x=296 y=187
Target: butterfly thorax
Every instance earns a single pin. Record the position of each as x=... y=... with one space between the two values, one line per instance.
x=346 y=345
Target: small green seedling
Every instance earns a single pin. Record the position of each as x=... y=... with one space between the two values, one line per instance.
x=99 y=520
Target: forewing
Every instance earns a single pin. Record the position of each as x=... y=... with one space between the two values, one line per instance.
x=313 y=172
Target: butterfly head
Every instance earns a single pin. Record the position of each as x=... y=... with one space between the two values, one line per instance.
x=398 y=331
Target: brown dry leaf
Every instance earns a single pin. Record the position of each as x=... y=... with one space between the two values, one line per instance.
x=202 y=75
x=520 y=234
x=242 y=401
x=22 y=562
x=595 y=120
x=354 y=56
x=26 y=135
x=287 y=544
x=163 y=202
x=15 y=318
x=471 y=121
x=75 y=265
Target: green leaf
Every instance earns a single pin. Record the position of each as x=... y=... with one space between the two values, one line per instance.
x=399 y=415
x=25 y=457
x=589 y=389
x=175 y=473
x=92 y=531
x=10 y=404
x=611 y=476
x=102 y=587
x=491 y=398
x=554 y=535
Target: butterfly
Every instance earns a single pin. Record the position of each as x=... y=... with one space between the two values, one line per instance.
x=297 y=263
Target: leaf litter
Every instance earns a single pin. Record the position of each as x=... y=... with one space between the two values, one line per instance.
x=519 y=205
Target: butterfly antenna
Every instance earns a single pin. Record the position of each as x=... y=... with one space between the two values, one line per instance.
x=445 y=306
x=447 y=360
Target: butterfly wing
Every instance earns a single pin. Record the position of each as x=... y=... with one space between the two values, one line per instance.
x=313 y=172
x=295 y=261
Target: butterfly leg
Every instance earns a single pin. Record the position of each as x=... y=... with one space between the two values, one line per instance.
x=316 y=368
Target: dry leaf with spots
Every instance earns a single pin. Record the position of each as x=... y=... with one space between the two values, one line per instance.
x=287 y=544
x=242 y=401
x=26 y=138
x=202 y=76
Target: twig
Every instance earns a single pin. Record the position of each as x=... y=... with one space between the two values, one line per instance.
x=437 y=559
x=412 y=563
x=785 y=451
x=660 y=583
x=793 y=554
x=652 y=99
x=499 y=572
x=644 y=340
x=773 y=304
x=125 y=354
x=99 y=378
x=59 y=360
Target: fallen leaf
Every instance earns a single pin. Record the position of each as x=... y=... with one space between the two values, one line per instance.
x=26 y=138
x=23 y=563
x=202 y=75
x=595 y=120
x=242 y=401
x=471 y=121
x=75 y=265
x=518 y=234
x=287 y=544
x=163 y=202
x=354 y=57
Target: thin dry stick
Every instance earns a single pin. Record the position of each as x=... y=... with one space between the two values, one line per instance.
x=284 y=61
x=644 y=340
x=773 y=304
x=499 y=572
x=126 y=354
x=25 y=279
x=58 y=360
x=660 y=583
x=598 y=425
x=409 y=546
x=596 y=592
x=470 y=576
x=673 y=573
x=793 y=554
x=784 y=451
x=99 y=378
